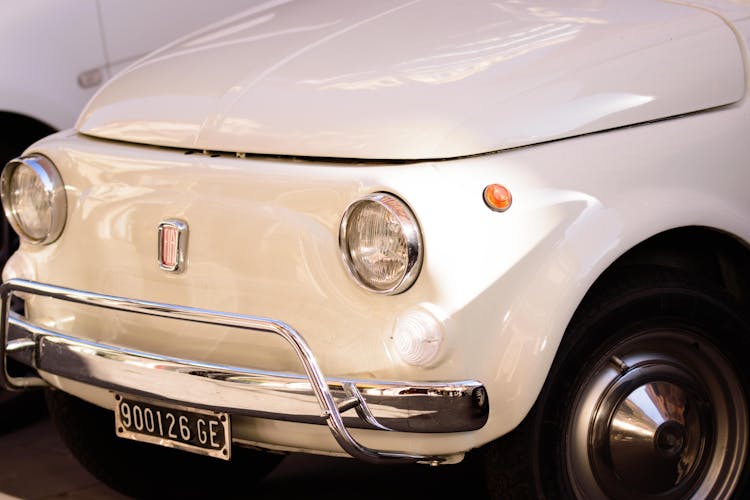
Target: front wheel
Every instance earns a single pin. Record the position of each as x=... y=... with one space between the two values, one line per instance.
x=646 y=399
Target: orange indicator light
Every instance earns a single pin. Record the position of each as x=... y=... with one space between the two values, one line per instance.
x=497 y=197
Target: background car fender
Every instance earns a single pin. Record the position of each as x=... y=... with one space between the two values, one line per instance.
x=39 y=83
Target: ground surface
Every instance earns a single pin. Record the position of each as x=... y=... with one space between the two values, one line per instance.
x=34 y=464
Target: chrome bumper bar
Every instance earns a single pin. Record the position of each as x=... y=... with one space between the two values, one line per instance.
x=388 y=406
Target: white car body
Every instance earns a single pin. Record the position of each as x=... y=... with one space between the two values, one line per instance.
x=610 y=123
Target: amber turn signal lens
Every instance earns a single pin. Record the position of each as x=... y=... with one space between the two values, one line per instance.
x=497 y=197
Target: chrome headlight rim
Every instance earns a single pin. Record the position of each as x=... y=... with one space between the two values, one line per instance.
x=54 y=189
x=410 y=229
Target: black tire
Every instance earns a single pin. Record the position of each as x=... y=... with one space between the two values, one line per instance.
x=144 y=470
x=647 y=399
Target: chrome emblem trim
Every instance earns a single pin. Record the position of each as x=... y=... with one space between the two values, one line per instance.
x=172 y=248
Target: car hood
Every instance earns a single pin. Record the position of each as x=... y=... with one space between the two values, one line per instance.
x=401 y=79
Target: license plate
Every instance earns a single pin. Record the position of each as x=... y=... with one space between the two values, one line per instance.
x=190 y=429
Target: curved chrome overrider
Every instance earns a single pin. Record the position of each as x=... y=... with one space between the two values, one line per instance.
x=413 y=407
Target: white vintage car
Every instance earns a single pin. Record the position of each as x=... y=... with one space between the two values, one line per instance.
x=403 y=232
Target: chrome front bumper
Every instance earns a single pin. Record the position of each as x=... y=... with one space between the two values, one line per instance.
x=387 y=406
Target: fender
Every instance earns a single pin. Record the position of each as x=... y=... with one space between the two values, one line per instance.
x=39 y=83
x=579 y=205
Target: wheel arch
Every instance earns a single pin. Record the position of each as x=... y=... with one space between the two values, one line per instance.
x=706 y=254
x=714 y=263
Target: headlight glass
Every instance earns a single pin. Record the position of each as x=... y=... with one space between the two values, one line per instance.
x=31 y=205
x=33 y=198
x=381 y=243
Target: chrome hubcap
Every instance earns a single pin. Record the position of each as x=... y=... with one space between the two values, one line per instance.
x=649 y=429
x=662 y=416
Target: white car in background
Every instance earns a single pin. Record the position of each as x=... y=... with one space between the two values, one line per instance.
x=55 y=54
x=402 y=231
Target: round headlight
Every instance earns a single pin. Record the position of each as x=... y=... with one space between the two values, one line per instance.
x=33 y=197
x=381 y=243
